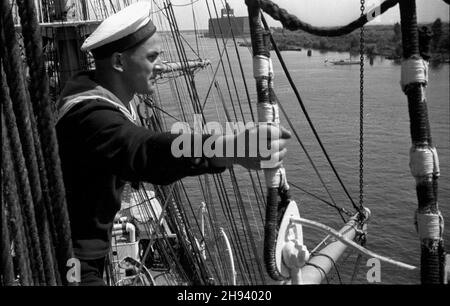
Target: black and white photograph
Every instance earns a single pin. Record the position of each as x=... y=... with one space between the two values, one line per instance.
x=225 y=150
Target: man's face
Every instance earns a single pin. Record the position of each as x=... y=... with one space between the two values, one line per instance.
x=139 y=65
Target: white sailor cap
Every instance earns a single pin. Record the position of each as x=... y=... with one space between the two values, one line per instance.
x=121 y=31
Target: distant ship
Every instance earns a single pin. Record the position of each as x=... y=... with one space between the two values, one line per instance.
x=343 y=62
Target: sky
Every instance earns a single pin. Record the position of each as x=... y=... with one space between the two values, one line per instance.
x=314 y=12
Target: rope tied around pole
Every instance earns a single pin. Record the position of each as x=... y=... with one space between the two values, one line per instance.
x=414 y=70
x=429 y=225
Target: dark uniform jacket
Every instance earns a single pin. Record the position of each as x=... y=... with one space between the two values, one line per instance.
x=101 y=148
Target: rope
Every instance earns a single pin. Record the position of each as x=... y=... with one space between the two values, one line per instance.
x=10 y=194
x=292 y=23
x=6 y=265
x=45 y=120
x=13 y=68
x=320 y=269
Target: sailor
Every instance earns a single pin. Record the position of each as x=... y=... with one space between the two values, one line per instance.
x=100 y=145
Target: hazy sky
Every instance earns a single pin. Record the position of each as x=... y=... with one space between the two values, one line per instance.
x=315 y=12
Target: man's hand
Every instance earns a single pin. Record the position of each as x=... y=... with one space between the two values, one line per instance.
x=263 y=146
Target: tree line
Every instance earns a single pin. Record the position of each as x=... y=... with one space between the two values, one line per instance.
x=384 y=40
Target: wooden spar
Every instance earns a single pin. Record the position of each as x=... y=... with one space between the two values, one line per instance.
x=424 y=162
x=311 y=274
x=295 y=254
x=167 y=67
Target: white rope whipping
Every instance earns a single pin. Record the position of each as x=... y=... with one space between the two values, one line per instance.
x=429 y=226
x=275 y=177
x=413 y=71
x=268 y=112
x=262 y=66
x=423 y=161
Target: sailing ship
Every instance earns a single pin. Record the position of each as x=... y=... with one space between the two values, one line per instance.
x=177 y=234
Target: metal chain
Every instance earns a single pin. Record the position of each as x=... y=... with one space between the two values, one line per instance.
x=361 y=113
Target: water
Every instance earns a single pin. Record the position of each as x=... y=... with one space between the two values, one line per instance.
x=331 y=96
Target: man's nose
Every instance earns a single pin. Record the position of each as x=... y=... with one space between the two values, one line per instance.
x=158 y=68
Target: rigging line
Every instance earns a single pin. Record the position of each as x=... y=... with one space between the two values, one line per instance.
x=218 y=252
x=341 y=209
x=112 y=6
x=207 y=222
x=333 y=261
x=244 y=223
x=198 y=225
x=174 y=86
x=188 y=74
x=177 y=47
x=186 y=4
x=152 y=105
x=168 y=18
x=258 y=200
x=311 y=161
x=211 y=213
x=299 y=99
x=320 y=269
x=241 y=67
x=186 y=220
x=244 y=216
x=195 y=26
x=176 y=225
x=253 y=215
x=229 y=64
x=223 y=66
x=210 y=224
x=154 y=234
x=189 y=241
x=237 y=245
x=213 y=81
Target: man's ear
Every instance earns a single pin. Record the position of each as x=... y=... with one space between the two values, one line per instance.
x=117 y=61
